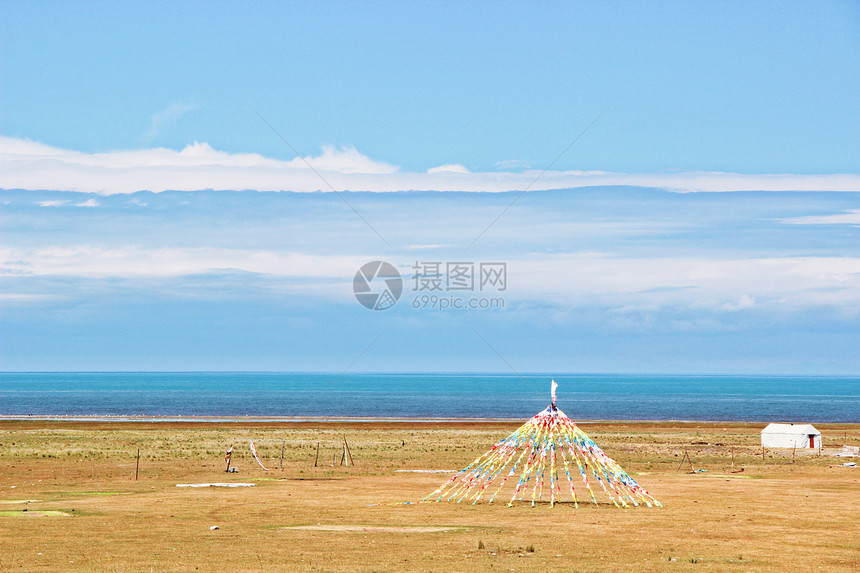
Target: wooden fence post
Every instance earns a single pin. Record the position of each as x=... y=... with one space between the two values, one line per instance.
x=350 y=461
x=682 y=461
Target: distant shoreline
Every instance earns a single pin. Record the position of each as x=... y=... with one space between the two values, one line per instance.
x=369 y=422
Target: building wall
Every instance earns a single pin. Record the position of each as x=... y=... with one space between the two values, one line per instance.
x=799 y=441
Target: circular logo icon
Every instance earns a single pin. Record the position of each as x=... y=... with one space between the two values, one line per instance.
x=377 y=285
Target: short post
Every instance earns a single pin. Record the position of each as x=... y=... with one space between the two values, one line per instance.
x=137 y=466
x=283 y=443
x=733 y=456
x=762 y=454
x=316 y=459
x=682 y=461
x=350 y=461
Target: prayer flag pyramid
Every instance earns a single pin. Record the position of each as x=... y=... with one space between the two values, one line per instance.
x=537 y=453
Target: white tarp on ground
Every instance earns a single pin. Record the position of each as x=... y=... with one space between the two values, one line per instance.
x=790 y=436
x=234 y=484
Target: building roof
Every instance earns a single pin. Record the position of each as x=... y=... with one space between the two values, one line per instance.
x=790 y=429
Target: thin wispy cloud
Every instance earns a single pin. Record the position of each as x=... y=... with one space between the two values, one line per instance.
x=851 y=217
x=165 y=118
x=730 y=284
x=513 y=165
x=428 y=247
x=136 y=261
x=31 y=165
x=564 y=280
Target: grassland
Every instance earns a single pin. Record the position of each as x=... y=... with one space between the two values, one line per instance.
x=69 y=501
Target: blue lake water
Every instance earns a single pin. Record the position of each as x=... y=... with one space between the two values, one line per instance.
x=580 y=396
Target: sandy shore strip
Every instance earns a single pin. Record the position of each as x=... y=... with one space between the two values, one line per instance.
x=345 y=423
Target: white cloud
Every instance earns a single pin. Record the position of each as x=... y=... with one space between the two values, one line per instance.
x=52 y=203
x=31 y=165
x=344 y=160
x=88 y=203
x=450 y=168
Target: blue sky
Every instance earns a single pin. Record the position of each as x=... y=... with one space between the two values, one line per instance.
x=747 y=87
x=704 y=219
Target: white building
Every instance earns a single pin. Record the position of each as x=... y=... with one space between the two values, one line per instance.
x=790 y=436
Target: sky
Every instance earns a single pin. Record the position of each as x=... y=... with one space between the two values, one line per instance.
x=671 y=187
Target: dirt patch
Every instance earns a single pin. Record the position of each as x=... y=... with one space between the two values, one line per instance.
x=374 y=528
x=34 y=513
x=427 y=471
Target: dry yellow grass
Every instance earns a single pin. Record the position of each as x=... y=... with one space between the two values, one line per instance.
x=780 y=514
